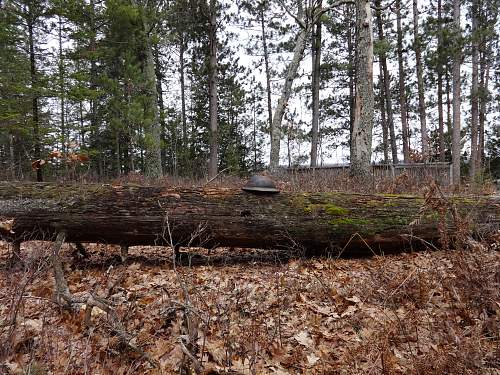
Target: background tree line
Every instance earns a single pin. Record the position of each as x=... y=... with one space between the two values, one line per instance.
x=191 y=87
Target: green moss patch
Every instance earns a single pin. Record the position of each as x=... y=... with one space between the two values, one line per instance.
x=331 y=209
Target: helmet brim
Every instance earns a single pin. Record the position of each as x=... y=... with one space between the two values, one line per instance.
x=260 y=189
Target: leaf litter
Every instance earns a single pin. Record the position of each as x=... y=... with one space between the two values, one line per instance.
x=422 y=313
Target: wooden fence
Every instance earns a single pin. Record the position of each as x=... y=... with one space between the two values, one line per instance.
x=417 y=172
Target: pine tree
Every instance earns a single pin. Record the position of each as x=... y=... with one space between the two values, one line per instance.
x=361 y=138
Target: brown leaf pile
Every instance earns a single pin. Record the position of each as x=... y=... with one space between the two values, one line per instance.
x=425 y=313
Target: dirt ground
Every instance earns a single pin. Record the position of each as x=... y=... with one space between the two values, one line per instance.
x=253 y=312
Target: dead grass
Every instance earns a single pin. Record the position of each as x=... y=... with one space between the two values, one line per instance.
x=319 y=181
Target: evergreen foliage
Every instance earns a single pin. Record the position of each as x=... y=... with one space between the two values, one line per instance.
x=104 y=88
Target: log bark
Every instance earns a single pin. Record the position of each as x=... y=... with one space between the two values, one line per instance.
x=315 y=222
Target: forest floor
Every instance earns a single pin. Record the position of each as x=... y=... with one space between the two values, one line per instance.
x=254 y=312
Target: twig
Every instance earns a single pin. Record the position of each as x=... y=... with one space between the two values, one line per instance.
x=420 y=239
x=398 y=287
x=215 y=177
x=350 y=239
x=194 y=360
x=299 y=21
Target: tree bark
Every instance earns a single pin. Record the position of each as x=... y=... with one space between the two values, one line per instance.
x=361 y=138
x=93 y=103
x=420 y=84
x=34 y=87
x=268 y=71
x=163 y=126
x=474 y=94
x=449 y=121
x=402 y=86
x=351 y=65
x=456 y=147
x=385 y=82
x=152 y=126
x=485 y=73
x=442 y=148
x=291 y=72
x=316 y=66
x=12 y=157
x=213 y=109
x=61 y=88
x=134 y=215
x=383 y=120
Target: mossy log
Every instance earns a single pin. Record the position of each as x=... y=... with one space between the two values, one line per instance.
x=316 y=222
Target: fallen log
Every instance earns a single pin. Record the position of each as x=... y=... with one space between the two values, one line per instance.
x=154 y=215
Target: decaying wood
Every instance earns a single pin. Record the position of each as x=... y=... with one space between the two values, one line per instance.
x=137 y=215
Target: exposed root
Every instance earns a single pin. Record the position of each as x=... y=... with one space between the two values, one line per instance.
x=15 y=258
x=124 y=253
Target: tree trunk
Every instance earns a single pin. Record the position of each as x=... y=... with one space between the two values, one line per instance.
x=316 y=66
x=385 y=82
x=442 y=148
x=152 y=126
x=93 y=86
x=420 y=84
x=402 y=87
x=268 y=72
x=456 y=148
x=474 y=94
x=214 y=138
x=161 y=109
x=449 y=122
x=134 y=215
x=182 y=48
x=298 y=54
x=351 y=66
x=12 y=157
x=383 y=121
x=254 y=130
x=34 y=87
x=61 y=88
x=485 y=73
x=361 y=138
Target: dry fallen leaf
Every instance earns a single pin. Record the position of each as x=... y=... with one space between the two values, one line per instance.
x=354 y=299
x=312 y=359
x=349 y=311
x=303 y=338
x=7 y=225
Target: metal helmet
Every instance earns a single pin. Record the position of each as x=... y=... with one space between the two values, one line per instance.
x=260 y=184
